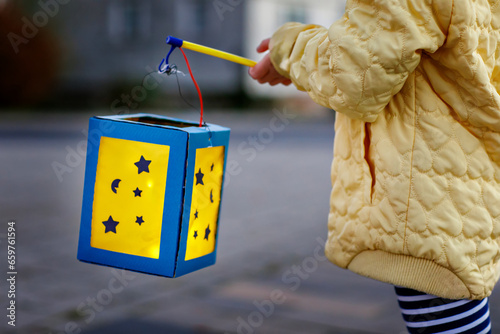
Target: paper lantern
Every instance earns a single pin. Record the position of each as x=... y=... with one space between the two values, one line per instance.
x=152 y=193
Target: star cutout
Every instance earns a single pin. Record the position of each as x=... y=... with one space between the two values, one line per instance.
x=142 y=165
x=139 y=220
x=207 y=232
x=195 y=234
x=110 y=225
x=211 y=196
x=196 y=214
x=137 y=192
x=199 y=177
x=212 y=168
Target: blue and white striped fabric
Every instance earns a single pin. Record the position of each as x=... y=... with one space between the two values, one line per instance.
x=425 y=314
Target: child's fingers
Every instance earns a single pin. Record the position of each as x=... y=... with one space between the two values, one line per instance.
x=275 y=82
x=263 y=46
x=268 y=77
x=264 y=72
x=275 y=79
x=261 y=68
x=258 y=72
x=271 y=77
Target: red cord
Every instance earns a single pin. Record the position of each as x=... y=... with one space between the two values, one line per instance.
x=197 y=87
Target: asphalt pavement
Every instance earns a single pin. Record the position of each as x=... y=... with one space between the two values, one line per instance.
x=270 y=276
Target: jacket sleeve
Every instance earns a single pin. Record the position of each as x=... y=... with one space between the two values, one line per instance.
x=363 y=59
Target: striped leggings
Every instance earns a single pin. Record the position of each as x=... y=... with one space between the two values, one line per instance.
x=430 y=314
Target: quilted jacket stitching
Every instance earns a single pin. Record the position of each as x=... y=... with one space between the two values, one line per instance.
x=410 y=187
x=454 y=255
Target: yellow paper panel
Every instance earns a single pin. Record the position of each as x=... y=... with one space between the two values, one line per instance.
x=205 y=202
x=128 y=197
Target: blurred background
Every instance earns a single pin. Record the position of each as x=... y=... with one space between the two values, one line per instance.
x=86 y=54
x=64 y=61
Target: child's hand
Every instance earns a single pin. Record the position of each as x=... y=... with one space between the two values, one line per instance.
x=264 y=71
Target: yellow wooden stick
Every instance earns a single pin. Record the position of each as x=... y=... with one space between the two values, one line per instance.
x=211 y=51
x=218 y=53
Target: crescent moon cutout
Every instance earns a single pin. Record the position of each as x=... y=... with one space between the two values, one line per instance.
x=115 y=184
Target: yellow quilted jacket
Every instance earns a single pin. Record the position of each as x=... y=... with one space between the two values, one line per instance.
x=416 y=169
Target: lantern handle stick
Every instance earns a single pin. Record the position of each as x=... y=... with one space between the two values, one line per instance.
x=176 y=42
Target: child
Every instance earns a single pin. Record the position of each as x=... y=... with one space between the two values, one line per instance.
x=416 y=170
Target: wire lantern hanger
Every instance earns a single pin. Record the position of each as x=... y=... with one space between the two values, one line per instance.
x=169 y=69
